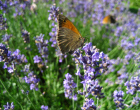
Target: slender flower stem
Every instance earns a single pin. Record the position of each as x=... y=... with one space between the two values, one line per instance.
x=10 y=94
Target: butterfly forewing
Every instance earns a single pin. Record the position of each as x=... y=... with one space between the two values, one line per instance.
x=66 y=38
x=65 y=22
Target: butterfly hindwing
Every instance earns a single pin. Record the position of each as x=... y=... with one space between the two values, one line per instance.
x=67 y=40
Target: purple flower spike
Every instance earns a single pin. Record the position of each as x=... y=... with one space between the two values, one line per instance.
x=94 y=62
x=37 y=59
x=135 y=100
x=32 y=80
x=133 y=85
x=69 y=86
x=6 y=37
x=26 y=36
x=88 y=105
x=8 y=106
x=43 y=107
x=118 y=95
x=54 y=11
x=91 y=87
x=42 y=46
x=3 y=25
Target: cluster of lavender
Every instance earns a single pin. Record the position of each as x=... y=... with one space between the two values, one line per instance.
x=17 y=5
x=42 y=46
x=11 y=59
x=95 y=11
x=54 y=11
x=127 y=29
x=118 y=99
x=88 y=105
x=133 y=85
x=94 y=63
x=77 y=7
x=30 y=78
x=6 y=37
x=135 y=100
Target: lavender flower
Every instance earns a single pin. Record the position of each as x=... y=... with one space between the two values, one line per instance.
x=4 y=53
x=38 y=60
x=94 y=62
x=19 y=58
x=43 y=107
x=135 y=100
x=26 y=68
x=119 y=31
x=8 y=57
x=11 y=59
x=3 y=6
x=133 y=85
x=42 y=46
x=88 y=105
x=3 y=24
x=69 y=86
x=91 y=87
x=8 y=106
x=6 y=37
x=54 y=11
x=26 y=36
x=127 y=45
x=32 y=80
x=122 y=78
x=118 y=95
x=53 y=35
x=20 y=7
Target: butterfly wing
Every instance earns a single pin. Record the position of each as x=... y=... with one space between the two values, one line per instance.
x=108 y=19
x=68 y=40
x=68 y=36
x=113 y=20
x=65 y=22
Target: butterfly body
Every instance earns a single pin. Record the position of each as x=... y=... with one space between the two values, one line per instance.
x=68 y=37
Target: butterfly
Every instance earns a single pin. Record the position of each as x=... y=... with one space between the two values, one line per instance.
x=68 y=37
x=109 y=19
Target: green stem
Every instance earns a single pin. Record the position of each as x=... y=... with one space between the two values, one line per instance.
x=10 y=94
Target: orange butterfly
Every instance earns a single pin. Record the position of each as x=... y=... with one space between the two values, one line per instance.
x=109 y=19
x=68 y=37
